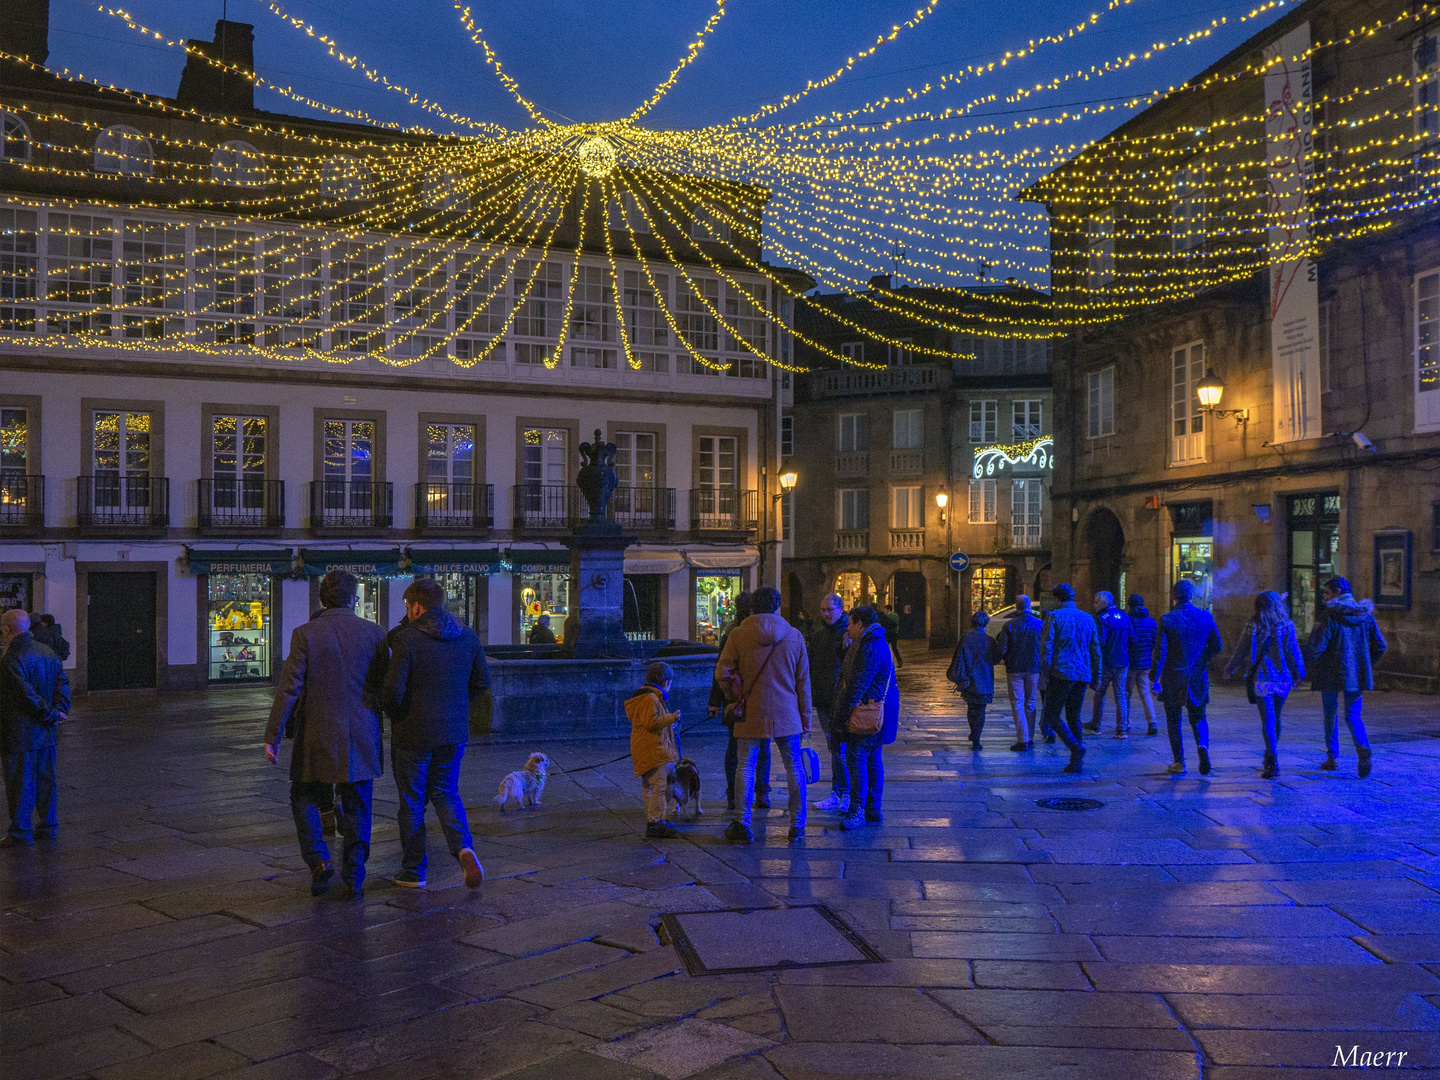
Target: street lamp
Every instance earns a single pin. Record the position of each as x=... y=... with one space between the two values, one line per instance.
x=788 y=481
x=1209 y=391
x=942 y=500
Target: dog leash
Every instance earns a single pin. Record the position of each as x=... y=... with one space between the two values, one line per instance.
x=622 y=757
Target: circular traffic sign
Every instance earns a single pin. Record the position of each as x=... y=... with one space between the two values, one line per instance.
x=959 y=561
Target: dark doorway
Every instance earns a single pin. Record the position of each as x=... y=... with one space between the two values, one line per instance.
x=120 y=631
x=1105 y=540
x=909 y=592
x=642 y=606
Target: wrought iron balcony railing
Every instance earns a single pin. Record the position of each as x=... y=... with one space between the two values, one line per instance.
x=241 y=502
x=724 y=510
x=129 y=501
x=351 y=504
x=22 y=500
x=462 y=505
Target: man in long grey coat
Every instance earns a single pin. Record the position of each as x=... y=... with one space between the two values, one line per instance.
x=328 y=701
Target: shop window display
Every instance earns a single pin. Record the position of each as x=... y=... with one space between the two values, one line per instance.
x=987 y=589
x=544 y=594
x=462 y=597
x=714 y=606
x=854 y=588
x=239 y=627
x=1192 y=560
x=368 y=588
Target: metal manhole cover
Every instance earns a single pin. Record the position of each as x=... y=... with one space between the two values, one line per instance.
x=763 y=939
x=1069 y=804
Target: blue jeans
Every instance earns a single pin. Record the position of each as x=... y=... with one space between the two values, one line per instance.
x=30 y=787
x=749 y=751
x=352 y=821
x=732 y=762
x=431 y=776
x=1112 y=677
x=839 y=771
x=1330 y=702
x=1067 y=696
x=1198 y=724
x=867 y=773
x=1270 y=706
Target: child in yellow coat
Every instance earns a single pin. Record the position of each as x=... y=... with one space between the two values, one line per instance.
x=653 y=750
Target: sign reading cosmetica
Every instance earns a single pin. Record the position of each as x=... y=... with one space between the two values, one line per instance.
x=1037 y=452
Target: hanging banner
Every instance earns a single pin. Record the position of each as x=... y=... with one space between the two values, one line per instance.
x=1294 y=283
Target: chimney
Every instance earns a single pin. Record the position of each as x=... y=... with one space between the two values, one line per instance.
x=880 y=282
x=26 y=28
x=209 y=88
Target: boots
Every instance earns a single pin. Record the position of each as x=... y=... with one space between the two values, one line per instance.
x=1270 y=769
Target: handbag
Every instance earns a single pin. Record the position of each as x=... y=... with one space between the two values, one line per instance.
x=732 y=688
x=1254 y=670
x=868 y=717
x=810 y=762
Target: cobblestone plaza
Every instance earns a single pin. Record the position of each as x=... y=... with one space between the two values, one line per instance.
x=1219 y=926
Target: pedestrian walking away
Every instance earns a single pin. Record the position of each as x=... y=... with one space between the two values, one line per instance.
x=1269 y=655
x=1180 y=673
x=761 y=794
x=34 y=697
x=827 y=649
x=1116 y=636
x=437 y=668
x=867 y=676
x=653 y=747
x=1345 y=645
x=765 y=661
x=1020 y=650
x=328 y=702
x=972 y=670
x=1069 y=661
x=49 y=633
x=1143 y=629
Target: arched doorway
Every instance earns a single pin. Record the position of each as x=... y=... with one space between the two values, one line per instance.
x=1105 y=543
x=907 y=596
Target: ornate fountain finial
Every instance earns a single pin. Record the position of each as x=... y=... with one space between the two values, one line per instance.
x=597 y=480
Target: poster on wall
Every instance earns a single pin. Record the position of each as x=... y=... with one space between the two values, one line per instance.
x=15 y=591
x=1392 y=571
x=1294 y=282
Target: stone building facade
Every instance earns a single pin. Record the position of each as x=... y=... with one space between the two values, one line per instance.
x=1321 y=456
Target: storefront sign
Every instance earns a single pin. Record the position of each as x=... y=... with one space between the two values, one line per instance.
x=538 y=561
x=1037 y=452
x=457 y=560
x=257 y=561
x=382 y=563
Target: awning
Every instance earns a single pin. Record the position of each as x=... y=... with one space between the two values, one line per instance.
x=241 y=561
x=384 y=562
x=455 y=560
x=538 y=561
x=722 y=560
x=653 y=562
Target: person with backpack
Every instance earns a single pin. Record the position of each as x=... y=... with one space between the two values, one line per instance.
x=858 y=710
x=1269 y=655
x=972 y=670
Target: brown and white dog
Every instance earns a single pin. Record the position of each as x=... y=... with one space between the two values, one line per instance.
x=525 y=785
x=685 y=788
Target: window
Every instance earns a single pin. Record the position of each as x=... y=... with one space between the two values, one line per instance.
x=635 y=458
x=546 y=456
x=1435 y=526
x=982 y=502
x=19 y=270
x=121 y=459
x=854 y=508
x=984 y=421
x=718 y=460
x=1100 y=248
x=644 y=317
x=1313 y=523
x=626 y=214
x=854 y=434
x=1025 y=498
x=787 y=435
x=710 y=224
x=1100 y=402
x=238 y=163
x=1187 y=422
x=480 y=305
x=899 y=354
x=697 y=326
x=1187 y=210
x=1025 y=419
x=746 y=325
x=123 y=150
x=225 y=281
x=80 y=252
x=294 y=292
x=989 y=588
x=787 y=524
x=14 y=441
x=420 y=290
x=907 y=508
x=1427 y=351
x=345 y=179
x=538 y=314
x=1427 y=90
x=152 y=274
x=348 y=469
x=908 y=429
x=1325 y=344
x=14 y=139
x=237 y=463
x=592 y=312
x=594 y=358
x=853 y=352
x=449 y=455
x=444 y=190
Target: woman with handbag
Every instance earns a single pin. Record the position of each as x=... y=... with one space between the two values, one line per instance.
x=972 y=670
x=866 y=675
x=1269 y=655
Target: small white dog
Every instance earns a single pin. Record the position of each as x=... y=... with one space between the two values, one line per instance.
x=525 y=785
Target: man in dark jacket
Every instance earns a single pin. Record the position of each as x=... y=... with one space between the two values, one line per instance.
x=327 y=701
x=1020 y=649
x=1142 y=647
x=437 y=667
x=1180 y=672
x=1113 y=626
x=972 y=670
x=48 y=632
x=34 y=697
x=540 y=633
x=1345 y=643
x=1069 y=661
x=827 y=650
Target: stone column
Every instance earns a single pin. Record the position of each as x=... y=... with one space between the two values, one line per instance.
x=595 y=627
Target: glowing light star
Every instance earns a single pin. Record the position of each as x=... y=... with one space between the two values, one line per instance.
x=1038 y=452
x=597 y=157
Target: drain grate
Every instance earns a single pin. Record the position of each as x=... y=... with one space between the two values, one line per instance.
x=1069 y=804
x=764 y=939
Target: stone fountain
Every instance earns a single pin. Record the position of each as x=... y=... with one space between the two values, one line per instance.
x=595 y=627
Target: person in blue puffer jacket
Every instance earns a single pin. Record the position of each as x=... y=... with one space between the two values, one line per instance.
x=1143 y=629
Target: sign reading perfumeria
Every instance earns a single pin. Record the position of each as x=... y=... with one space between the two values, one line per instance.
x=1294 y=287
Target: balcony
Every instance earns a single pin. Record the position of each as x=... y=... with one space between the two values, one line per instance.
x=907 y=462
x=241 y=502
x=856 y=463
x=553 y=507
x=454 y=507
x=545 y=507
x=351 y=504
x=896 y=380
x=907 y=541
x=22 y=501
x=723 y=510
x=135 y=502
x=643 y=509
x=852 y=541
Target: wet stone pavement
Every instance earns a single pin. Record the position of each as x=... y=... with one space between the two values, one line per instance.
x=1224 y=927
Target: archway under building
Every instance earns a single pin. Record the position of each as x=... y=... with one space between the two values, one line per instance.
x=1105 y=544
x=907 y=595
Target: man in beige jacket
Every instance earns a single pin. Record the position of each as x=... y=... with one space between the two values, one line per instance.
x=770 y=658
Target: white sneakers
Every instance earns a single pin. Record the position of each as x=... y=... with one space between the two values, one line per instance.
x=834 y=802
